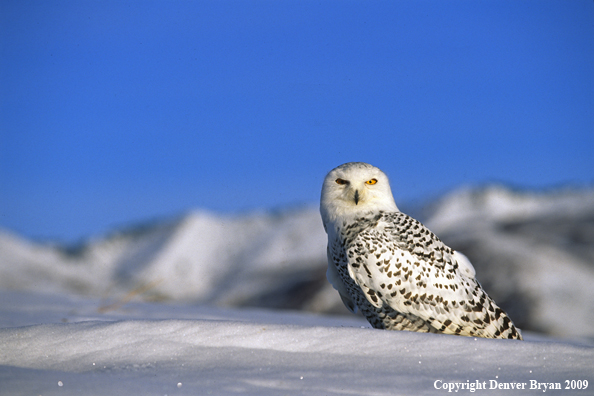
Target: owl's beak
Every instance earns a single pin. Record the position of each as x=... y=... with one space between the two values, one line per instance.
x=356 y=197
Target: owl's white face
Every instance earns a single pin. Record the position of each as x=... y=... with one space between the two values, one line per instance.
x=353 y=189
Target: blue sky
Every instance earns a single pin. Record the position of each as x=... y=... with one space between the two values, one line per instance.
x=115 y=112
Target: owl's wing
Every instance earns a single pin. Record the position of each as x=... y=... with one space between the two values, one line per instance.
x=334 y=278
x=465 y=264
x=400 y=263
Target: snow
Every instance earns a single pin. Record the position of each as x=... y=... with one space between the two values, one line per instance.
x=158 y=349
x=498 y=203
x=191 y=258
x=536 y=248
x=171 y=308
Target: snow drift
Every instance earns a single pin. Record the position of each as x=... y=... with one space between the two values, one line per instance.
x=142 y=350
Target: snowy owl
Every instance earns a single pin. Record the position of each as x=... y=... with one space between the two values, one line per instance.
x=391 y=267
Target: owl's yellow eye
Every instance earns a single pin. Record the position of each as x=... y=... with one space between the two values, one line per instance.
x=341 y=181
x=372 y=181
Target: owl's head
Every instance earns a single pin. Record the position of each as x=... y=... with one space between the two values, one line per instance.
x=354 y=189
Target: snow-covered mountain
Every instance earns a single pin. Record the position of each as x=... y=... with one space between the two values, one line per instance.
x=534 y=253
x=198 y=257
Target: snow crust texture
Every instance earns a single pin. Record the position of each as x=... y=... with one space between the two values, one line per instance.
x=225 y=352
